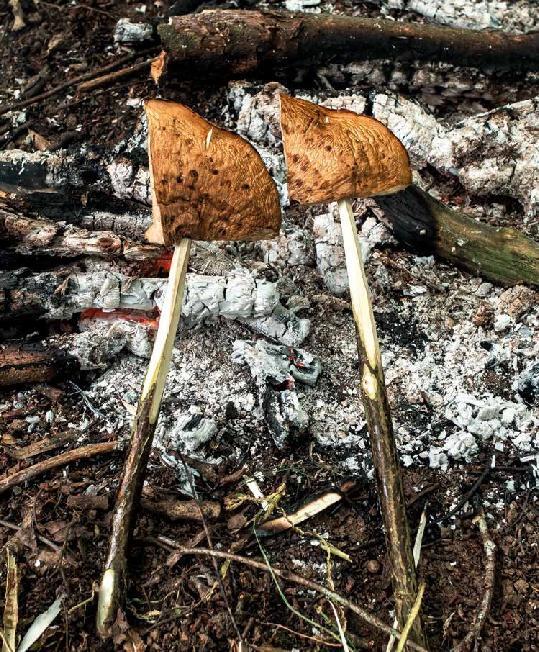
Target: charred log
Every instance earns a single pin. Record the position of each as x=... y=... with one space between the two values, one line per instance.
x=34 y=364
x=503 y=255
x=28 y=236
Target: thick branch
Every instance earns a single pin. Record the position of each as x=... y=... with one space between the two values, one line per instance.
x=30 y=236
x=490 y=575
x=503 y=255
x=237 y=43
x=33 y=364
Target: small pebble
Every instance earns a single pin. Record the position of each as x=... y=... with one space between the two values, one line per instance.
x=373 y=566
x=484 y=289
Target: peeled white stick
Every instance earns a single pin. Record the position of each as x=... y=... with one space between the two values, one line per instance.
x=360 y=296
x=378 y=417
x=332 y=156
x=142 y=437
x=207 y=184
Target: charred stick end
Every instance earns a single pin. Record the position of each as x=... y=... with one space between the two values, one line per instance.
x=412 y=219
x=502 y=255
x=113 y=581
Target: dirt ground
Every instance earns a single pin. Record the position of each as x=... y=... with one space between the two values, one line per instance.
x=174 y=601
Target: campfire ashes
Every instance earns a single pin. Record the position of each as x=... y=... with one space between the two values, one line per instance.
x=459 y=353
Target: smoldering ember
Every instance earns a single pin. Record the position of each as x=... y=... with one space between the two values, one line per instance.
x=338 y=445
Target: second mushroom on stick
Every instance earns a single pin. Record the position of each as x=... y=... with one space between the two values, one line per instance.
x=207 y=184
x=335 y=156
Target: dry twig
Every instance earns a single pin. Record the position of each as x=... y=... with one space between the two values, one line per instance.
x=182 y=510
x=82 y=453
x=490 y=570
x=11 y=604
x=414 y=611
x=470 y=493
x=365 y=616
x=71 y=82
x=16 y=528
x=111 y=77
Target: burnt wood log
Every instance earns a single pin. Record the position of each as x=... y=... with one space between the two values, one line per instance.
x=49 y=182
x=63 y=293
x=72 y=186
x=30 y=236
x=34 y=364
x=99 y=343
x=424 y=224
x=240 y=43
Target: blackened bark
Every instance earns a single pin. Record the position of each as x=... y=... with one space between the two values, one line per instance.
x=34 y=364
x=503 y=255
x=126 y=507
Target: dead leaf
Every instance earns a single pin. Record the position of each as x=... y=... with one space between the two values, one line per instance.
x=57 y=530
x=55 y=42
x=26 y=535
x=133 y=643
x=49 y=558
x=40 y=143
x=119 y=629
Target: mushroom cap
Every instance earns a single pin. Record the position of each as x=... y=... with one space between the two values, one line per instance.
x=207 y=183
x=337 y=154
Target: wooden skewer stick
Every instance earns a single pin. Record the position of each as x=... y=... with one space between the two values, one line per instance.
x=141 y=440
x=331 y=156
x=384 y=452
x=207 y=184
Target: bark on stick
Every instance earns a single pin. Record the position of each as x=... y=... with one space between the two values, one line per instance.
x=377 y=413
x=82 y=453
x=112 y=583
x=503 y=255
x=239 y=43
x=34 y=364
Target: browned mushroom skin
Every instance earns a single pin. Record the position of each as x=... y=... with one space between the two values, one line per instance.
x=337 y=154
x=207 y=183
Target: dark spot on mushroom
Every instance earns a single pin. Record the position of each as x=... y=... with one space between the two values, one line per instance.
x=194 y=174
x=179 y=179
x=328 y=148
x=295 y=158
x=215 y=172
x=245 y=186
